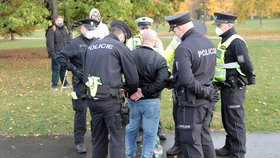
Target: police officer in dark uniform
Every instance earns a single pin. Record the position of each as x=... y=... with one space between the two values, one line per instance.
x=193 y=71
x=72 y=57
x=106 y=60
x=233 y=72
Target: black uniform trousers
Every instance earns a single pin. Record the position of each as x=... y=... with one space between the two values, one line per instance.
x=174 y=113
x=193 y=128
x=80 y=108
x=103 y=123
x=232 y=99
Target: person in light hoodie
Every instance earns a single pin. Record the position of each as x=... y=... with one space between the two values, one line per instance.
x=102 y=29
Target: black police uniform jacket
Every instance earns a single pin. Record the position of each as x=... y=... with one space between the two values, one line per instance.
x=56 y=40
x=237 y=52
x=152 y=70
x=73 y=54
x=194 y=67
x=108 y=59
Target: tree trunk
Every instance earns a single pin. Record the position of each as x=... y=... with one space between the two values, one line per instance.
x=12 y=36
x=53 y=8
x=261 y=19
x=204 y=11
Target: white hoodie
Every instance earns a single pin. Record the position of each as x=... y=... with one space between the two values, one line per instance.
x=102 y=29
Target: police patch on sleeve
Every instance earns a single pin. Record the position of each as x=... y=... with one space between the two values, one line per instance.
x=240 y=58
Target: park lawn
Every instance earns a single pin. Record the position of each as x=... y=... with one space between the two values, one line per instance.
x=29 y=107
x=8 y=44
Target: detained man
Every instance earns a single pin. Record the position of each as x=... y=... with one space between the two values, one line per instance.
x=145 y=103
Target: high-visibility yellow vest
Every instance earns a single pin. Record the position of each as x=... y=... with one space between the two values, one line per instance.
x=169 y=52
x=221 y=66
x=136 y=41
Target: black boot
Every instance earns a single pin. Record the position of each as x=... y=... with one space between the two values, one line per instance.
x=174 y=150
x=222 y=151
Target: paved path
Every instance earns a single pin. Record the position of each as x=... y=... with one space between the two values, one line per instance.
x=211 y=37
x=259 y=145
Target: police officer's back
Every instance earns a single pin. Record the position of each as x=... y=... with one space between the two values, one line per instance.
x=106 y=61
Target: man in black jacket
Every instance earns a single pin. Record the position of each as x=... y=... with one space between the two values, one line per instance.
x=234 y=71
x=107 y=60
x=193 y=71
x=57 y=38
x=72 y=57
x=145 y=104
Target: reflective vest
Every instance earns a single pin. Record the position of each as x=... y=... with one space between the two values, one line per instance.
x=136 y=41
x=220 y=69
x=169 y=52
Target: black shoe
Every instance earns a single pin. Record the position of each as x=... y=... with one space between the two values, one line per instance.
x=174 y=150
x=81 y=148
x=161 y=136
x=222 y=152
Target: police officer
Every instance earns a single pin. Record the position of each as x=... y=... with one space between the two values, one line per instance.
x=169 y=56
x=143 y=24
x=106 y=60
x=72 y=57
x=193 y=71
x=234 y=71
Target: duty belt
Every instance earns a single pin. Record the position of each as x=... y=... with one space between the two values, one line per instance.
x=104 y=92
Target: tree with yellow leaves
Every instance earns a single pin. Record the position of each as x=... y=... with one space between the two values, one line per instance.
x=260 y=8
x=219 y=6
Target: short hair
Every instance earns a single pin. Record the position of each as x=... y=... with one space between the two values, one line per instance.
x=116 y=30
x=57 y=17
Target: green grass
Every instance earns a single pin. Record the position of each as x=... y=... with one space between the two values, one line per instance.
x=29 y=107
x=8 y=44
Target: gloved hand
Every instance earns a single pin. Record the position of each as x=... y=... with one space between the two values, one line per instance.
x=78 y=73
x=252 y=80
x=214 y=95
x=169 y=83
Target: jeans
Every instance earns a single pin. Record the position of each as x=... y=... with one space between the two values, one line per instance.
x=147 y=111
x=57 y=71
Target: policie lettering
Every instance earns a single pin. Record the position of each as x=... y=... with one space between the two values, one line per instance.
x=100 y=46
x=206 y=52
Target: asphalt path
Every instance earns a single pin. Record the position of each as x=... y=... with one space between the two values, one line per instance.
x=259 y=145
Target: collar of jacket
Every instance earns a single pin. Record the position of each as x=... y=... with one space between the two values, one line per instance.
x=112 y=36
x=146 y=47
x=228 y=34
x=190 y=31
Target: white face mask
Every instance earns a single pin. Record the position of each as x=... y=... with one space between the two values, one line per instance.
x=90 y=34
x=141 y=32
x=219 y=31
